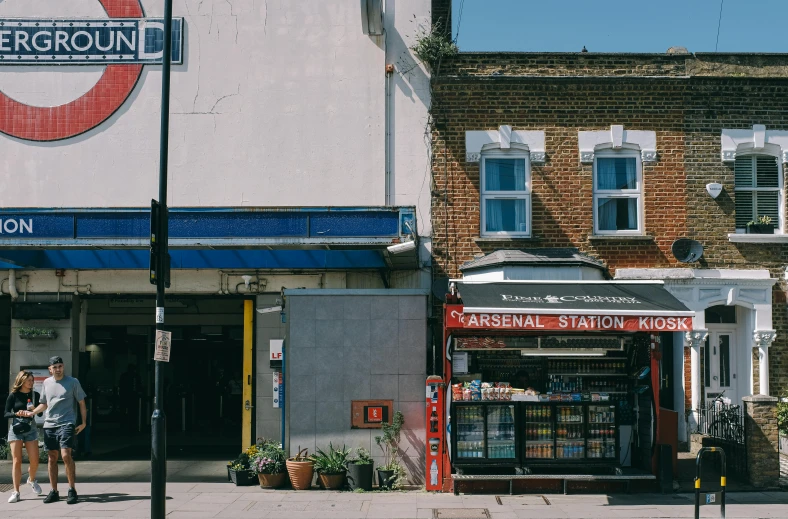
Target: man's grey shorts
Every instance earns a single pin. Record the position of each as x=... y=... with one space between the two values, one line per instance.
x=56 y=438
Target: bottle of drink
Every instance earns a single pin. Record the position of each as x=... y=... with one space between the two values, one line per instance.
x=434 y=473
x=30 y=405
x=433 y=420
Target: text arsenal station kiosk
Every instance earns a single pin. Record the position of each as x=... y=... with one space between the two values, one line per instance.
x=558 y=377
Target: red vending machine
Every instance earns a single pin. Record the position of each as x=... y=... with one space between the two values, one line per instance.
x=435 y=440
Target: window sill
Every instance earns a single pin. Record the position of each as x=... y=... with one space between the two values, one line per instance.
x=621 y=237
x=757 y=238
x=494 y=240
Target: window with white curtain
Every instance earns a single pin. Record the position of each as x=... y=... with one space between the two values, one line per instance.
x=506 y=194
x=758 y=189
x=618 y=193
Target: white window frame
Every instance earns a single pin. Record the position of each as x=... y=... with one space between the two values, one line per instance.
x=778 y=229
x=511 y=153
x=620 y=193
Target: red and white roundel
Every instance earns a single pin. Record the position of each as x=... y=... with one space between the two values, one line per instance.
x=36 y=123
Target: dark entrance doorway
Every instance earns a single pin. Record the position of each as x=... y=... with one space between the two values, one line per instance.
x=202 y=397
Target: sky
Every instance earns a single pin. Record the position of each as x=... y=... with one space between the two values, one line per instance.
x=620 y=26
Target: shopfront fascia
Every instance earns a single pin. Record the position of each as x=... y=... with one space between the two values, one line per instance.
x=572 y=342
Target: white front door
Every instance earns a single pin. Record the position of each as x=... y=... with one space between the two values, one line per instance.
x=719 y=365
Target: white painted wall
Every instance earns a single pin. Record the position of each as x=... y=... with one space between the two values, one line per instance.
x=278 y=103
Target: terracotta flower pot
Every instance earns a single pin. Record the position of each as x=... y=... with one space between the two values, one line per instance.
x=272 y=480
x=301 y=473
x=333 y=481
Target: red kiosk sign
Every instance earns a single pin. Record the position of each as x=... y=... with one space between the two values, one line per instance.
x=456 y=318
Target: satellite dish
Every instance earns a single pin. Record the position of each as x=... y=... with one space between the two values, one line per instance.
x=440 y=287
x=686 y=250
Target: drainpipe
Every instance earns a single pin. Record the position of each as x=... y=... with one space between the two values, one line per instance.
x=389 y=74
x=12 y=284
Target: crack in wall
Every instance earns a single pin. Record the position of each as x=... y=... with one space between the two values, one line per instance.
x=199 y=66
x=238 y=92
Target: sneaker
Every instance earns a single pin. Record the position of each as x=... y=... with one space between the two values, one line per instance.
x=14 y=497
x=72 y=497
x=35 y=486
x=53 y=496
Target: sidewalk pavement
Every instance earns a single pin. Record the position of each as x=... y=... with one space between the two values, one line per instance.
x=194 y=500
x=200 y=489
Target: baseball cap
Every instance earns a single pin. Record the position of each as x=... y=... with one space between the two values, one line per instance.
x=55 y=360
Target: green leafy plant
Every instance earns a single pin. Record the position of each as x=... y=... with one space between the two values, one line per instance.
x=389 y=441
x=5 y=450
x=269 y=458
x=782 y=415
x=389 y=444
x=761 y=220
x=332 y=462
x=243 y=460
x=32 y=332
x=362 y=457
x=432 y=46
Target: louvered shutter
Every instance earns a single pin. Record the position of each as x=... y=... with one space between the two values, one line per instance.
x=760 y=176
x=766 y=172
x=742 y=172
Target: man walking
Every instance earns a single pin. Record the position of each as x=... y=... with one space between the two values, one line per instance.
x=59 y=397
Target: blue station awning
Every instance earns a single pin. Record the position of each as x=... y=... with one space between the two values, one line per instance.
x=255 y=238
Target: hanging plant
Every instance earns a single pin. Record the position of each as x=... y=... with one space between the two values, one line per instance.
x=432 y=46
x=32 y=332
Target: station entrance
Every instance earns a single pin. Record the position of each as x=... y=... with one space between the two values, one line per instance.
x=202 y=381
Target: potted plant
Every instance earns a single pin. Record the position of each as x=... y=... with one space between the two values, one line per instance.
x=239 y=470
x=269 y=464
x=32 y=332
x=359 y=470
x=391 y=474
x=331 y=466
x=761 y=225
x=301 y=469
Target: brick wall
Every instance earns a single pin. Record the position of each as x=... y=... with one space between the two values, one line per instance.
x=760 y=429
x=678 y=97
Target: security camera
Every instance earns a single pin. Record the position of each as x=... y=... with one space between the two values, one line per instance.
x=401 y=248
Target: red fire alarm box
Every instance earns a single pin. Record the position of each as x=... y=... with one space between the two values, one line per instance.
x=375 y=414
x=370 y=414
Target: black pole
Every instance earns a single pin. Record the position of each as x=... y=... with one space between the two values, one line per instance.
x=158 y=481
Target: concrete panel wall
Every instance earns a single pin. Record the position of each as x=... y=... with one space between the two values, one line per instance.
x=356 y=347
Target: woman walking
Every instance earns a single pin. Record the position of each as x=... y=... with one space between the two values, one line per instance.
x=23 y=431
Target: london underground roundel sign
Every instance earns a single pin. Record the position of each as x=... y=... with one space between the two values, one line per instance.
x=125 y=41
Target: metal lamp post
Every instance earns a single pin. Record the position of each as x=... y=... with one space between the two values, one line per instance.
x=159 y=274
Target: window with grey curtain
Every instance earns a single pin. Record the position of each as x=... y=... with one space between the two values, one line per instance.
x=614 y=175
x=504 y=204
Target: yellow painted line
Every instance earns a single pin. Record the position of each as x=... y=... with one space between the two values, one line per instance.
x=697 y=483
x=722 y=481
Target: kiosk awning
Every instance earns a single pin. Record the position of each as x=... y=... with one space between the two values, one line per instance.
x=572 y=306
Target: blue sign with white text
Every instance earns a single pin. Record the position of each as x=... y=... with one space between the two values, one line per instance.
x=87 y=41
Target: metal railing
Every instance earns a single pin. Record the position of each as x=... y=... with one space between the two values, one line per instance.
x=723 y=425
x=721 y=420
